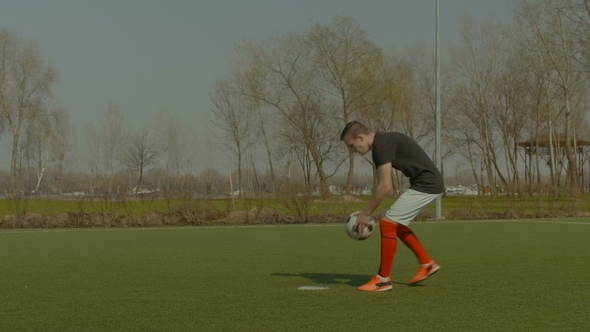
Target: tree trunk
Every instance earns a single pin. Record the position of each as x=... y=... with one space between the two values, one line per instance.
x=350 y=172
x=571 y=160
x=12 y=184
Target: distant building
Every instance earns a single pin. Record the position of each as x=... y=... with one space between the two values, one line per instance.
x=355 y=189
x=460 y=190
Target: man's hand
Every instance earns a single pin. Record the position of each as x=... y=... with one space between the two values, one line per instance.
x=362 y=220
x=381 y=191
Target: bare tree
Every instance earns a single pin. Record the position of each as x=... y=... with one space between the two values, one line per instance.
x=210 y=162
x=26 y=81
x=386 y=113
x=34 y=150
x=178 y=144
x=417 y=101
x=93 y=148
x=292 y=150
x=247 y=76
x=93 y=143
x=63 y=139
x=533 y=76
x=264 y=121
x=479 y=60
x=178 y=141
x=406 y=97
x=555 y=37
x=232 y=113
x=141 y=153
x=288 y=84
x=169 y=132
x=578 y=12
x=349 y=65
x=190 y=143
x=113 y=134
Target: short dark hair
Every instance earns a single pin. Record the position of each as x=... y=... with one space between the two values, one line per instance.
x=355 y=128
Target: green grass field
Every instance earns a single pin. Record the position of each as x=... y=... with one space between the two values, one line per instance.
x=495 y=276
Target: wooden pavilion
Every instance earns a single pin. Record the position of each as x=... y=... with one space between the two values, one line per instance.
x=543 y=144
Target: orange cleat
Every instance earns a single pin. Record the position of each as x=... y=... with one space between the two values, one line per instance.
x=376 y=285
x=425 y=271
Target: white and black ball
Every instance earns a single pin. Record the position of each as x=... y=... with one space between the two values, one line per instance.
x=367 y=231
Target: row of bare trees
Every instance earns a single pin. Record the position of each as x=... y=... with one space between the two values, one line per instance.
x=288 y=96
x=520 y=81
x=279 y=111
x=116 y=147
x=35 y=123
x=42 y=136
x=291 y=94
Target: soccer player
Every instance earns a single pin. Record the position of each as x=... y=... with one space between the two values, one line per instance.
x=396 y=150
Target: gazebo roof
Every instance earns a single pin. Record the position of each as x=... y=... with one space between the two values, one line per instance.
x=558 y=139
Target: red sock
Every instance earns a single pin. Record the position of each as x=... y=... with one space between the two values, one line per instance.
x=409 y=239
x=388 y=246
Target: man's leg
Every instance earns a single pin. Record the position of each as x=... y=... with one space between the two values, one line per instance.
x=403 y=211
x=382 y=281
x=428 y=266
x=388 y=246
x=409 y=239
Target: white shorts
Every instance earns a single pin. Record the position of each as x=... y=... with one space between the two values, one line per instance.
x=408 y=205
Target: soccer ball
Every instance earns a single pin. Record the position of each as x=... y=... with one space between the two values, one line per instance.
x=351 y=220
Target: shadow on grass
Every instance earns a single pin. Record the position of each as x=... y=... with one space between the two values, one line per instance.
x=333 y=278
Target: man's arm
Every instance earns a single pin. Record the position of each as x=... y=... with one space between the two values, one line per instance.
x=381 y=192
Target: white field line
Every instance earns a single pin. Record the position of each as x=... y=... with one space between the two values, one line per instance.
x=312 y=288
x=63 y=230
x=540 y=221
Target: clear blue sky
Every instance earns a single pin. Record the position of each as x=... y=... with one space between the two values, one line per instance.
x=147 y=54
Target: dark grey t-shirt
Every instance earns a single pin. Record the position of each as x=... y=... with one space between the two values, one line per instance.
x=406 y=155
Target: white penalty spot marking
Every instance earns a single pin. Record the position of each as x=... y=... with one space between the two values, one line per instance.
x=312 y=288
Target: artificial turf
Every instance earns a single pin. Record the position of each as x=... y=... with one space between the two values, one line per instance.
x=495 y=276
